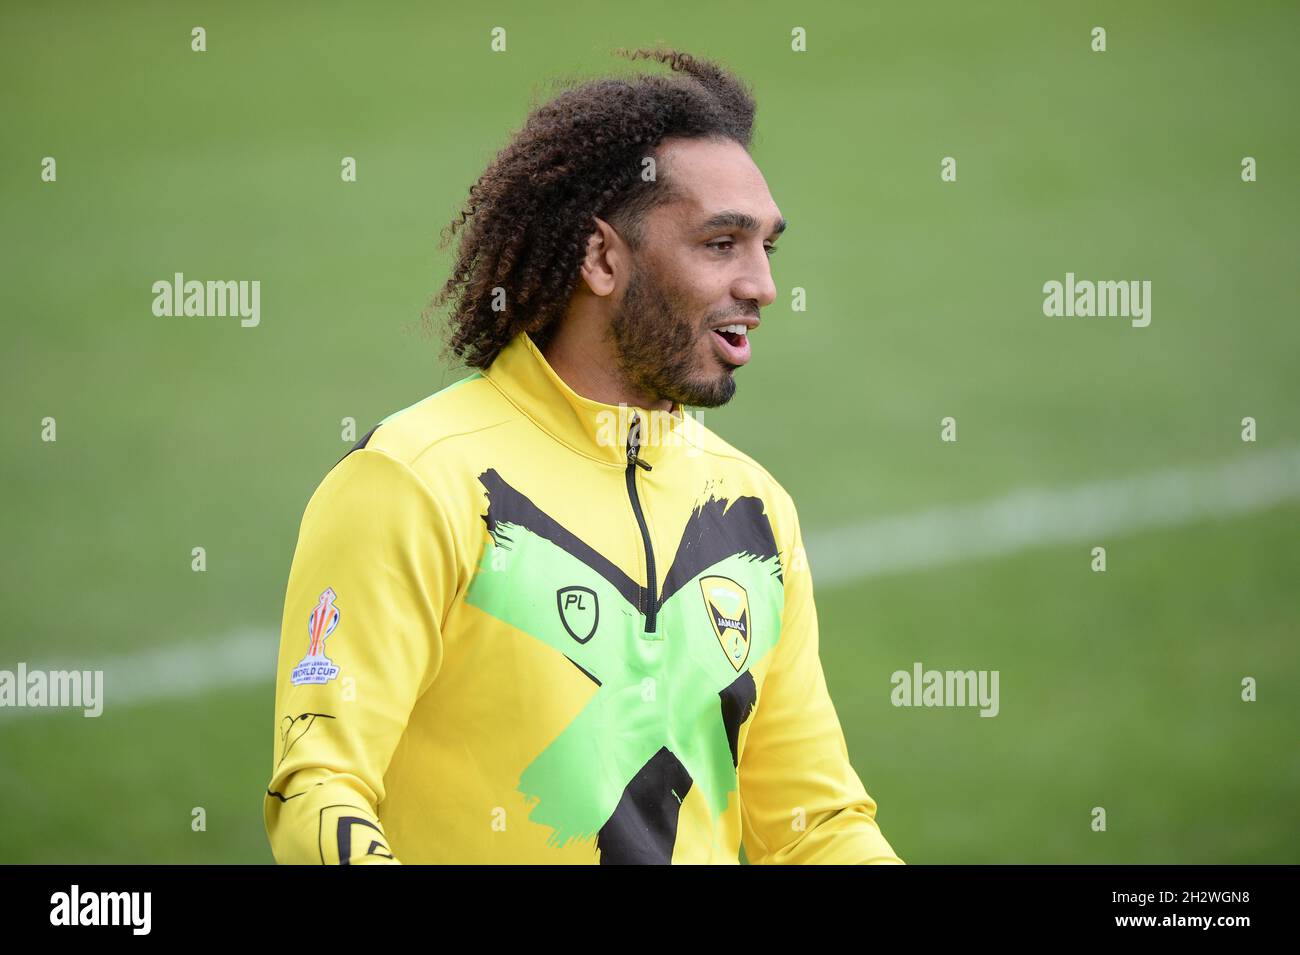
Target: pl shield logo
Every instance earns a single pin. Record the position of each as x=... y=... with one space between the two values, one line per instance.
x=579 y=611
x=727 y=604
x=315 y=666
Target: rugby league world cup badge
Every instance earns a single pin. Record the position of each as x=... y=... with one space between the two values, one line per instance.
x=315 y=666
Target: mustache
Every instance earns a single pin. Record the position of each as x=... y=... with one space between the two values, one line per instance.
x=743 y=311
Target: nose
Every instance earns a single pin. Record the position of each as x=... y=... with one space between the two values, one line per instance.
x=756 y=284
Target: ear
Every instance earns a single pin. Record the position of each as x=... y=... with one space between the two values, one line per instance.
x=606 y=261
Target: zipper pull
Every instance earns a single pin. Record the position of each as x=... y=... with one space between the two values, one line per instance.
x=634 y=443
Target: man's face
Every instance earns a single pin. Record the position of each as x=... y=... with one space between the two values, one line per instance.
x=702 y=266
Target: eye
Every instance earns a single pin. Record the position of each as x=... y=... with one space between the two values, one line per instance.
x=717 y=246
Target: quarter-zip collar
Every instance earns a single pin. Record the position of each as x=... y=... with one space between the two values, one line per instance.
x=592 y=428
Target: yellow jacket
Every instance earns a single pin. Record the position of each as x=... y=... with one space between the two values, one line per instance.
x=523 y=626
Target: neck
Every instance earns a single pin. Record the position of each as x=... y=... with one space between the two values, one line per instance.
x=581 y=353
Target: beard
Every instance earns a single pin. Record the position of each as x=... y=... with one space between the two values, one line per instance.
x=657 y=346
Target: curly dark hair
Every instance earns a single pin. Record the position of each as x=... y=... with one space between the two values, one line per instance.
x=525 y=225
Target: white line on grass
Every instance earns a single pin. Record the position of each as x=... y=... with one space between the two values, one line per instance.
x=243 y=658
x=1023 y=519
x=1037 y=517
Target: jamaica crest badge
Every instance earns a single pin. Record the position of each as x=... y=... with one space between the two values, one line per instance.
x=727 y=605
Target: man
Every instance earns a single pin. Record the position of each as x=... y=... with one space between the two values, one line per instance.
x=544 y=615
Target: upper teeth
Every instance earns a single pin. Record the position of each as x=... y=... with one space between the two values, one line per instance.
x=737 y=329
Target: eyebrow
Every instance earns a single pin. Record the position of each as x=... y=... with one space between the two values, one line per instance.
x=739 y=220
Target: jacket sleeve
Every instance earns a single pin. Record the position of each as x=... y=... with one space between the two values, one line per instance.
x=360 y=642
x=801 y=800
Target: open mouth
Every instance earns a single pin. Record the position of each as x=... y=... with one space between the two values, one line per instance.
x=732 y=343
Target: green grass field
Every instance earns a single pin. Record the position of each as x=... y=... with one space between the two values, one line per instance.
x=1119 y=690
